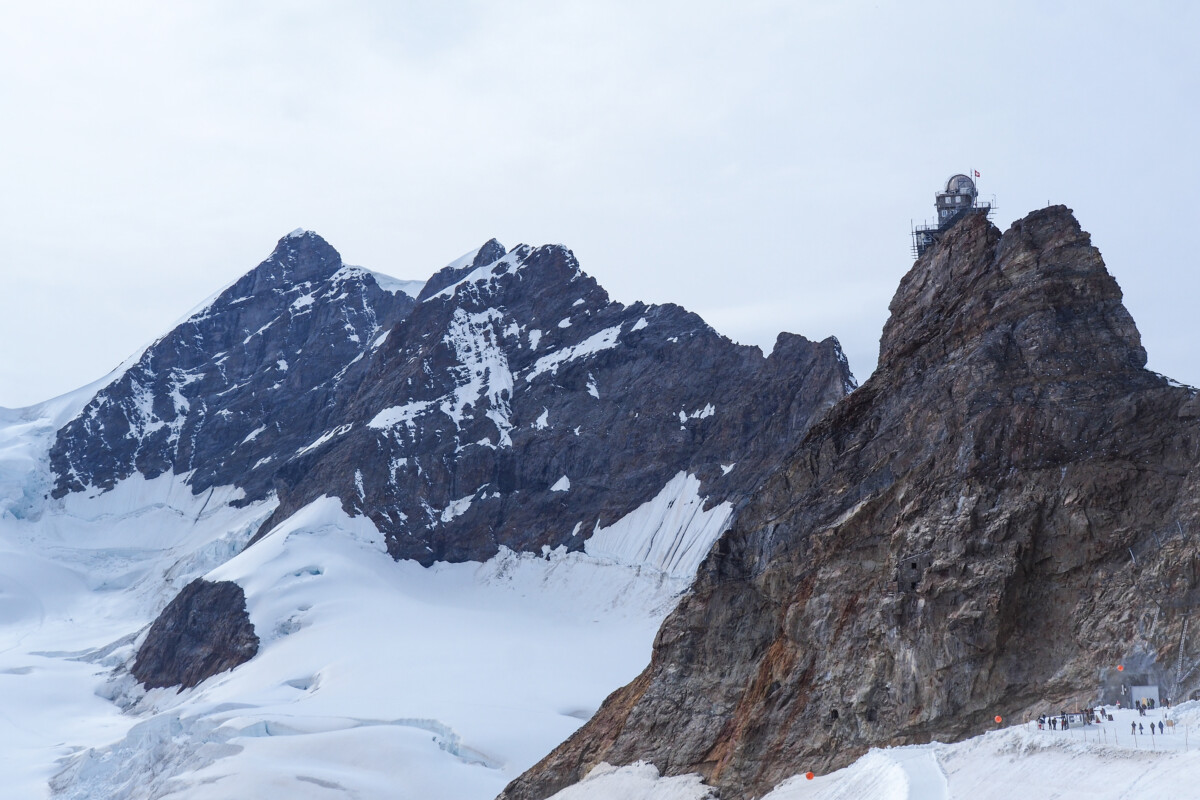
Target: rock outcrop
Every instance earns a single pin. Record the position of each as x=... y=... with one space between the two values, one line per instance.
x=203 y=632
x=1003 y=513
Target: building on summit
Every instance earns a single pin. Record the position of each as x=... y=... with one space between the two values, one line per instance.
x=957 y=200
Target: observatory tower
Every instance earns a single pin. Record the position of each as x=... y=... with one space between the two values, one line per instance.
x=957 y=200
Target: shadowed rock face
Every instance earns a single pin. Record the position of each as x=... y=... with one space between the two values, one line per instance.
x=954 y=540
x=506 y=380
x=450 y=419
x=204 y=631
x=251 y=377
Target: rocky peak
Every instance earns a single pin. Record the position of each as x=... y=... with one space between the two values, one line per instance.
x=515 y=405
x=515 y=393
x=491 y=252
x=1000 y=515
x=1038 y=298
x=208 y=396
x=299 y=257
x=1063 y=306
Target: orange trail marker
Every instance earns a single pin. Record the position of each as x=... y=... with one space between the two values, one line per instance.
x=999 y=719
x=809 y=775
x=1120 y=667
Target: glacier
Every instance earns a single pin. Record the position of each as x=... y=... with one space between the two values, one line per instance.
x=374 y=677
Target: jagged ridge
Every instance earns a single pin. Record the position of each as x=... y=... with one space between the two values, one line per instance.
x=513 y=404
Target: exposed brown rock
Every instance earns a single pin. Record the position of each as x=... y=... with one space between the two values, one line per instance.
x=203 y=632
x=1003 y=513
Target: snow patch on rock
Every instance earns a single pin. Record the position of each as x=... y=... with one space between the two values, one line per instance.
x=597 y=342
x=483 y=371
x=488 y=274
x=395 y=415
x=671 y=533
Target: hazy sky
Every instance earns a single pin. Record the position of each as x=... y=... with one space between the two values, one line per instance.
x=756 y=162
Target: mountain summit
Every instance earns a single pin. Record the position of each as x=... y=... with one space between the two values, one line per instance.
x=1001 y=515
x=511 y=404
x=238 y=382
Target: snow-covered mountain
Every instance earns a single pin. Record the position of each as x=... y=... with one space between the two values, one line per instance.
x=513 y=404
x=441 y=527
x=337 y=535
x=242 y=379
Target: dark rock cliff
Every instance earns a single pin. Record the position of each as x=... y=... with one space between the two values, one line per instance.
x=204 y=631
x=512 y=403
x=1003 y=513
x=249 y=376
x=517 y=405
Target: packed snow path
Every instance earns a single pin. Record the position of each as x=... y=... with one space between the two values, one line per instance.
x=1099 y=762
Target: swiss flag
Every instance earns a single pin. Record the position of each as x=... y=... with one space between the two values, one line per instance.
x=976 y=173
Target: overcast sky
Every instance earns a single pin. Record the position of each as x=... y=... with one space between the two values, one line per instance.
x=756 y=162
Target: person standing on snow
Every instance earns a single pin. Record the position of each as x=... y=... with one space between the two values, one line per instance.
x=1133 y=727
x=1160 y=726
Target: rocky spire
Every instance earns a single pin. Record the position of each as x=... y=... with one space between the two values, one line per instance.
x=1041 y=289
x=951 y=542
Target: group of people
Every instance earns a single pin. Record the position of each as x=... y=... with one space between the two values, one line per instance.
x=1053 y=722
x=1143 y=705
x=1063 y=721
x=1087 y=716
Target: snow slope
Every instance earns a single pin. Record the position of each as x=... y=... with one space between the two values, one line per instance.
x=1099 y=762
x=77 y=583
x=671 y=533
x=472 y=671
x=375 y=678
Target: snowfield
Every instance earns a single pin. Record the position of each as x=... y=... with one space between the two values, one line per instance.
x=374 y=678
x=1097 y=762
x=383 y=679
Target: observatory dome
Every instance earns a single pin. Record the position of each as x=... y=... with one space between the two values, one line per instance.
x=960 y=184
